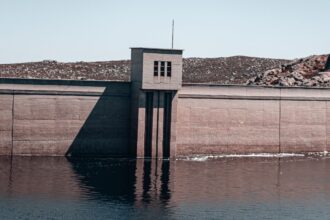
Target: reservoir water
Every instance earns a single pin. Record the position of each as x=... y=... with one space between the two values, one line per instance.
x=225 y=188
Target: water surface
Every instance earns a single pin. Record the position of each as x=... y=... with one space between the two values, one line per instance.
x=227 y=188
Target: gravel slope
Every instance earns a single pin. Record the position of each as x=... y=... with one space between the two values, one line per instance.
x=230 y=70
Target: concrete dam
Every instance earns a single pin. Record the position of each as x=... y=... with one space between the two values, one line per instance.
x=155 y=115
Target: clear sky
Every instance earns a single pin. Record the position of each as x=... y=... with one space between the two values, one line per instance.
x=96 y=30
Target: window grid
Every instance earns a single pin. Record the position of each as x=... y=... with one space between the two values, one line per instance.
x=162 y=67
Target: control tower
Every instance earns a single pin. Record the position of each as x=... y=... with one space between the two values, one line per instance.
x=156 y=77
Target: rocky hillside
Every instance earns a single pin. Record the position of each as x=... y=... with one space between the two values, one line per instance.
x=231 y=70
x=309 y=71
x=227 y=70
x=48 y=69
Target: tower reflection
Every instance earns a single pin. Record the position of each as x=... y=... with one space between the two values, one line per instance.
x=154 y=181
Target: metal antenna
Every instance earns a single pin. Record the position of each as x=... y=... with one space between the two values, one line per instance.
x=172 y=33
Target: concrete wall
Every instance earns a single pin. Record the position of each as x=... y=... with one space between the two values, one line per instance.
x=40 y=117
x=143 y=68
x=160 y=82
x=238 y=119
x=6 y=118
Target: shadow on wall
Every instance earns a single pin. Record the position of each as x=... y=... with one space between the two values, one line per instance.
x=105 y=131
x=72 y=118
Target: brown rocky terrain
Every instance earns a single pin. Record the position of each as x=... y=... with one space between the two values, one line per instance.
x=226 y=70
x=309 y=71
x=49 y=69
x=230 y=70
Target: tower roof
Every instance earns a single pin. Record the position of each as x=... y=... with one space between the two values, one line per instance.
x=158 y=50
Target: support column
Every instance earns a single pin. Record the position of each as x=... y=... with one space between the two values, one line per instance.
x=154 y=124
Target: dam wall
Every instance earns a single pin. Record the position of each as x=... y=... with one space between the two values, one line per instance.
x=57 y=118
x=90 y=118
x=243 y=119
x=156 y=116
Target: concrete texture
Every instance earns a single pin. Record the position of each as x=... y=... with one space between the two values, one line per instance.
x=77 y=120
x=304 y=126
x=6 y=123
x=234 y=119
x=60 y=120
x=143 y=68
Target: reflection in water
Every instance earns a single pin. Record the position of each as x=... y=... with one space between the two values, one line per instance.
x=60 y=188
x=42 y=177
x=106 y=179
x=165 y=194
x=146 y=181
x=129 y=181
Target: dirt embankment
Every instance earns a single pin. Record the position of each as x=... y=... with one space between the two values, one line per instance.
x=231 y=70
x=310 y=71
x=226 y=70
x=49 y=69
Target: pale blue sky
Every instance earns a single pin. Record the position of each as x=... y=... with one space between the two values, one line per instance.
x=96 y=30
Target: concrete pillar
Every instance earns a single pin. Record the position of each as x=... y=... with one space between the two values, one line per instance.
x=145 y=133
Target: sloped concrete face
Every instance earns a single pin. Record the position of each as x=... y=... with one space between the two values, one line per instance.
x=109 y=119
x=48 y=120
x=48 y=124
x=304 y=126
x=227 y=126
x=222 y=120
x=6 y=123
